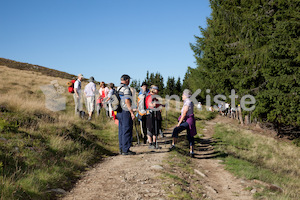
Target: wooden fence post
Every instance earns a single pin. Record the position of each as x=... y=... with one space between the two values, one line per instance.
x=246 y=119
x=250 y=117
x=240 y=115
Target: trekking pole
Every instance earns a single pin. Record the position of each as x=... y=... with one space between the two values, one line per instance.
x=167 y=107
x=156 y=129
x=137 y=133
x=144 y=136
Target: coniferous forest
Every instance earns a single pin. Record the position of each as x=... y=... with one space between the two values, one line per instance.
x=253 y=47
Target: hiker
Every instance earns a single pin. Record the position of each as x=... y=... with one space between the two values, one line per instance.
x=108 y=100
x=153 y=119
x=142 y=109
x=220 y=106
x=77 y=94
x=233 y=112
x=199 y=106
x=103 y=92
x=99 y=103
x=89 y=92
x=227 y=106
x=186 y=122
x=125 y=116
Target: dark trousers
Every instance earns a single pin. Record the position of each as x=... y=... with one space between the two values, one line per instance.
x=183 y=126
x=125 y=130
x=144 y=128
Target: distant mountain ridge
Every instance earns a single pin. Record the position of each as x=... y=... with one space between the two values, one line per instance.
x=36 y=68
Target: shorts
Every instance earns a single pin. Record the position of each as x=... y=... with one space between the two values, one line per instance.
x=90 y=101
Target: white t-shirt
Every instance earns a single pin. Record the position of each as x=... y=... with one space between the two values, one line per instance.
x=226 y=105
x=77 y=86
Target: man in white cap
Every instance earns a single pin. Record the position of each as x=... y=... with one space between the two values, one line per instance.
x=89 y=92
x=77 y=94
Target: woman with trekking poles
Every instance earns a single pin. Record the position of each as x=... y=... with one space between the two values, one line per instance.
x=153 y=117
x=186 y=121
x=103 y=92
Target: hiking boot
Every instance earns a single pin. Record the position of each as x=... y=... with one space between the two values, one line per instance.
x=151 y=146
x=161 y=134
x=192 y=154
x=128 y=153
x=121 y=151
x=172 y=148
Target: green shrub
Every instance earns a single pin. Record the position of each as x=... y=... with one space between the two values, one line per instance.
x=8 y=126
x=1 y=168
x=297 y=142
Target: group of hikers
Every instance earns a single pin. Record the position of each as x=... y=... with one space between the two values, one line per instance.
x=148 y=112
x=105 y=94
x=225 y=109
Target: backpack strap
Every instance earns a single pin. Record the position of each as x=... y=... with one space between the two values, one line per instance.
x=120 y=89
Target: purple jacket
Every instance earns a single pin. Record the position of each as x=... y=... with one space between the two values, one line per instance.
x=190 y=119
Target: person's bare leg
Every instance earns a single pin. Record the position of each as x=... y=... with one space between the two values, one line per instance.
x=192 y=148
x=174 y=141
x=149 y=139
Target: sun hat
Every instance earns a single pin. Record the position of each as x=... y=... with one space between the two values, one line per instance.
x=154 y=87
x=91 y=79
x=187 y=93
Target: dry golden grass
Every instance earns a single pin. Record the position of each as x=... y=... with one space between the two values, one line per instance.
x=20 y=89
x=53 y=145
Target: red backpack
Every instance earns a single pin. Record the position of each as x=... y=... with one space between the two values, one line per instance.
x=71 y=86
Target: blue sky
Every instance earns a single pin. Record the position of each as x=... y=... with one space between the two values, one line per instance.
x=103 y=38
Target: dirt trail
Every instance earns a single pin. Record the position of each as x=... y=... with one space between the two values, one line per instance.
x=137 y=177
x=220 y=184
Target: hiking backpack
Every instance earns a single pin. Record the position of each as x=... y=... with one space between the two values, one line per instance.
x=71 y=86
x=116 y=101
x=142 y=104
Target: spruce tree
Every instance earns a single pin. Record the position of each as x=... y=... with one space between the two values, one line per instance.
x=252 y=47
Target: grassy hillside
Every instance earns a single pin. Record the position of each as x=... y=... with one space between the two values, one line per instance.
x=34 y=68
x=42 y=150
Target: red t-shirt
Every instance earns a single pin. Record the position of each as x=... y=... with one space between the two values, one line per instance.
x=149 y=100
